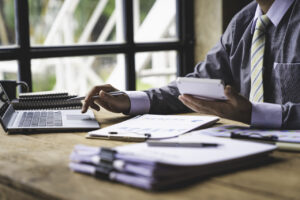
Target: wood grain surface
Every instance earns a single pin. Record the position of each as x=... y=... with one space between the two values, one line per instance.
x=36 y=167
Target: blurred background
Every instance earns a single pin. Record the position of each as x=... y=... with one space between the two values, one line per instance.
x=68 y=22
x=54 y=23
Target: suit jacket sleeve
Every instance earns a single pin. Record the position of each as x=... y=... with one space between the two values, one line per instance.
x=291 y=116
x=165 y=100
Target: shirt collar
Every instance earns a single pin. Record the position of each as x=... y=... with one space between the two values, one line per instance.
x=275 y=13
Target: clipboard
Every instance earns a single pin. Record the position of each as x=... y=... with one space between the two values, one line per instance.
x=286 y=140
x=149 y=126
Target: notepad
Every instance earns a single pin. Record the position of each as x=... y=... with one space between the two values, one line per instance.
x=46 y=100
x=151 y=126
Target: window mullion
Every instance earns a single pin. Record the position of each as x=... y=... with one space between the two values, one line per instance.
x=23 y=40
x=129 y=39
x=185 y=31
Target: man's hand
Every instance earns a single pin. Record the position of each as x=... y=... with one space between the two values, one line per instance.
x=236 y=107
x=120 y=103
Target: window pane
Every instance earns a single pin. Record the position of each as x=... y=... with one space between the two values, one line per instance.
x=154 y=20
x=59 y=22
x=8 y=70
x=155 y=69
x=78 y=74
x=7 y=22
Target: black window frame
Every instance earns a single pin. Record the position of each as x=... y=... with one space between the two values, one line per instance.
x=184 y=46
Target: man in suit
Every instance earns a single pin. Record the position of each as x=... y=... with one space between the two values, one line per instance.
x=257 y=57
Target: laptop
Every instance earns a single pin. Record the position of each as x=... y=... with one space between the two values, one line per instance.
x=30 y=121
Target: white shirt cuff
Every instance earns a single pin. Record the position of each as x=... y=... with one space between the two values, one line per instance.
x=139 y=103
x=266 y=115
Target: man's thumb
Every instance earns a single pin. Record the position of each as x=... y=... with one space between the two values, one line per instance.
x=231 y=94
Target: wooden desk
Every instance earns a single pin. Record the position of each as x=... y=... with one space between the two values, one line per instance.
x=36 y=167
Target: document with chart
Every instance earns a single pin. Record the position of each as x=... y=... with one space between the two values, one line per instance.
x=152 y=126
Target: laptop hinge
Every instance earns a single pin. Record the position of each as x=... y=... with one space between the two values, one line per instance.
x=7 y=116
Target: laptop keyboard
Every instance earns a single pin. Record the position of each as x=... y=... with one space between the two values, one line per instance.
x=41 y=119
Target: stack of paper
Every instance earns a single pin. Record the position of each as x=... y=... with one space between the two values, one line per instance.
x=155 y=167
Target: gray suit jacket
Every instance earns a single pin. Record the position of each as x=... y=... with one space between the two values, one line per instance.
x=229 y=60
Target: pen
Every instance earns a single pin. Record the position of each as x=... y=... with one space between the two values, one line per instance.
x=254 y=136
x=114 y=93
x=181 y=144
x=123 y=136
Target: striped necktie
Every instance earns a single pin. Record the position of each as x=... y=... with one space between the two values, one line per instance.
x=257 y=59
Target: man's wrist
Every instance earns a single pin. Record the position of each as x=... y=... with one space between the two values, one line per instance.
x=139 y=103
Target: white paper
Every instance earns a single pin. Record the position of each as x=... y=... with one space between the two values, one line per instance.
x=159 y=126
x=228 y=149
x=225 y=131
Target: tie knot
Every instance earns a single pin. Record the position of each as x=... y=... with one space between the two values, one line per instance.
x=262 y=23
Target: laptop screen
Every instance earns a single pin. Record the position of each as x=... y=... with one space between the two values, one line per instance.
x=3 y=102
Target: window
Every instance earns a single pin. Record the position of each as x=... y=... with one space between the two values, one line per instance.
x=65 y=22
x=58 y=73
x=131 y=44
x=7 y=23
x=149 y=70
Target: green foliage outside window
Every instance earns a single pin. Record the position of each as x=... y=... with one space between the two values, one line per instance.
x=38 y=10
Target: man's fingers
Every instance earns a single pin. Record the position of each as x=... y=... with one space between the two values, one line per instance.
x=106 y=100
x=202 y=104
x=95 y=106
x=92 y=93
x=187 y=103
x=193 y=103
x=85 y=107
x=89 y=101
x=97 y=89
x=196 y=108
x=232 y=95
x=236 y=107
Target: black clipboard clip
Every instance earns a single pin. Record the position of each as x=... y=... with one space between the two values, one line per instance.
x=129 y=136
x=254 y=136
